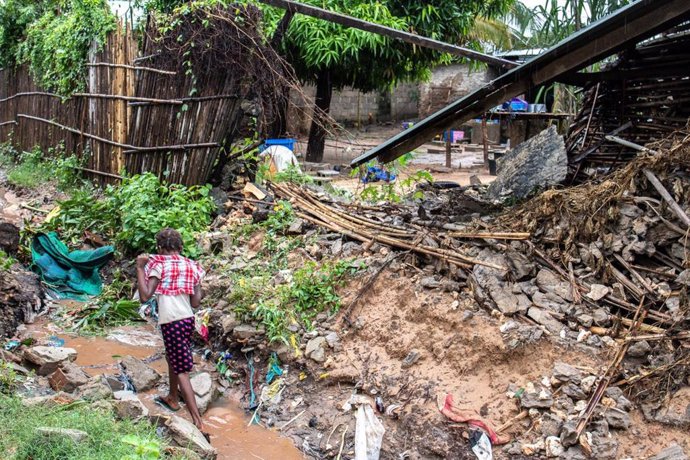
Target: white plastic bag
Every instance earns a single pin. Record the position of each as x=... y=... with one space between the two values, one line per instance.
x=368 y=435
x=481 y=446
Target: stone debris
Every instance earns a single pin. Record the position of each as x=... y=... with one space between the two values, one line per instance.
x=553 y=447
x=555 y=404
x=68 y=377
x=538 y=163
x=205 y=390
x=567 y=373
x=316 y=349
x=143 y=377
x=127 y=405
x=96 y=390
x=411 y=358
x=46 y=360
x=673 y=452
x=75 y=436
x=185 y=434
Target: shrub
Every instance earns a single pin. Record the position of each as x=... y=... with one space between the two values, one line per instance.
x=133 y=212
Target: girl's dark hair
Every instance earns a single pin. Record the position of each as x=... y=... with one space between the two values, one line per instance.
x=169 y=239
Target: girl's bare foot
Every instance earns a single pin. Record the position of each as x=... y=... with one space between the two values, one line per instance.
x=199 y=424
x=170 y=402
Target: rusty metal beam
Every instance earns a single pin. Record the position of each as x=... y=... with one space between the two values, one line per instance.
x=627 y=27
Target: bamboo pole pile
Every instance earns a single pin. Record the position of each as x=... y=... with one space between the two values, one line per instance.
x=427 y=242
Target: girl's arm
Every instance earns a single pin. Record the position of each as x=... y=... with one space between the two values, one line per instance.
x=146 y=288
x=195 y=299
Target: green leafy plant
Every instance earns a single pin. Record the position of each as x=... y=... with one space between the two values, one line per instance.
x=6 y=261
x=57 y=43
x=144 y=449
x=146 y=206
x=280 y=219
x=311 y=290
x=8 y=378
x=111 y=308
x=397 y=190
x=133 y=212
x=293 y=175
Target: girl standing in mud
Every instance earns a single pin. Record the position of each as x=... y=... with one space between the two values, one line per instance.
x=176 y=281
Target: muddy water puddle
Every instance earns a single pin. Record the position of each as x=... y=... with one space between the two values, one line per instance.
x=227 y=425
x=99 y=355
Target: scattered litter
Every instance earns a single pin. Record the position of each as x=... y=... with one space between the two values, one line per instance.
x=481 y=445
x=274 y=369
x=379 y=405
x=12 y=345
x=368 y=435
x=448 y=409
x=201 y=320
x=376 y=174
x=55 y=341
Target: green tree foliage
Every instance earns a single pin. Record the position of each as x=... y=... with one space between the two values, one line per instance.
x=15 y=18
x=547 y=24
x=53 y=37
x=332 y=56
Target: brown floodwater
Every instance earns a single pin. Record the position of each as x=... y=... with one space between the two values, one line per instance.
x=99 y=355
x=227 y=425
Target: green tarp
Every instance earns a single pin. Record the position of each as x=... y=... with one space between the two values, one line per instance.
x=71 y=274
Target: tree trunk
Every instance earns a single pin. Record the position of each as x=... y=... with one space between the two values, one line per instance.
x=278 y=126
x=317 y=133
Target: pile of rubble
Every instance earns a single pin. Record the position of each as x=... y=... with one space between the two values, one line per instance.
x=553 y=407
x=602 y=265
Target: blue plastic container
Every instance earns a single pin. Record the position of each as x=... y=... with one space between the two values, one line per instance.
x=518 y=105
x=289 y=143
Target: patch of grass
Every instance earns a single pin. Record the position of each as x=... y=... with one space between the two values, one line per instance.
x=30 y=170
x=107 y=437
x=35 y=168
x=6 y=261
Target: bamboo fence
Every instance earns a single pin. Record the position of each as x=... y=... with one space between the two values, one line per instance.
x=131 y=118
